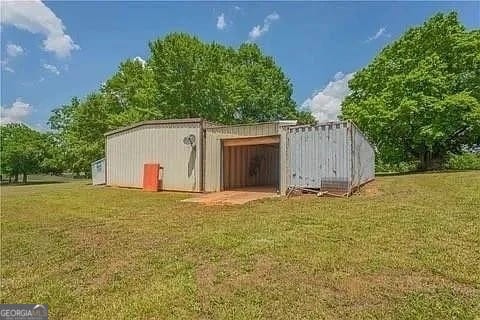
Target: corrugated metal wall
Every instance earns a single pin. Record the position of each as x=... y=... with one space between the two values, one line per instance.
x=128 y=151
x=334 y=156
x=363 y=158
x=255 y=165
x=98 y=172
x=320 y=156
x=213 y=147
x=283 y=160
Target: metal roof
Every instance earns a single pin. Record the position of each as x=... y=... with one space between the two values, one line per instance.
x=153 y=122
x=207 y=124
x=319 y=124
x=280 y=122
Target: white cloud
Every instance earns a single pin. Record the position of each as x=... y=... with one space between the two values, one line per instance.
x=16 y=113
x=381 y=32
x=325 y=104
x=40 y=126
x=141 y=60
x=51 y=68
x=4 y=64
x=7 y=68
x=237 y=8
x=259 y=30
x=36 y=17
x=221 y=23
x=14 y=50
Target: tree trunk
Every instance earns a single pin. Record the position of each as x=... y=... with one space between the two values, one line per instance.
x=426 y=161
x=15 y=178
x=423 y=166
x=24 y=178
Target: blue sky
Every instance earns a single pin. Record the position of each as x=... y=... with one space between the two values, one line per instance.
x=52 y=51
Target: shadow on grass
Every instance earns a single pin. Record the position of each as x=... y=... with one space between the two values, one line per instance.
x=387 y=174
x=29 y=183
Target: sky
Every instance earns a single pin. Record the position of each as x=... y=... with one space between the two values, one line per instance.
x=53 y=51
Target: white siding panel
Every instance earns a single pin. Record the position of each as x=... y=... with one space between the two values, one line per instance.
x=128 y=151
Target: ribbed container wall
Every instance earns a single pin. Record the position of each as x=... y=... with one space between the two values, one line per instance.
x=363 y=159
x=213 y=147
x=98 y=172
x=128 y=151
x=320 y=157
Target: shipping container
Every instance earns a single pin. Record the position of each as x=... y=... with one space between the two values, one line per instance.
x=334 y=157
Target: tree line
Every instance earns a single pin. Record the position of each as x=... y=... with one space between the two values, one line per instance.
x=418 y=100
x=182 y=78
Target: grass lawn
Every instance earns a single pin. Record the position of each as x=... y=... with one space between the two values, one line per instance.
x=412 y=250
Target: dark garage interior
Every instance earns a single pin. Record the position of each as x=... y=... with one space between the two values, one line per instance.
x=251 y=162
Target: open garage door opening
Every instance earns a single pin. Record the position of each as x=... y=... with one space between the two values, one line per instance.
x=251 y=163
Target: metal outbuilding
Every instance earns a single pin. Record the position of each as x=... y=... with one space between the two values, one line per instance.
x=199 y=156
x=158 y=141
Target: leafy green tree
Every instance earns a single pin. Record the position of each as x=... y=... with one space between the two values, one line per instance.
x=420 y=97
x=54 y=155
x=219 y=83
x=132 y=94
x=183 y=78
x=79 y=128
x=21 y=150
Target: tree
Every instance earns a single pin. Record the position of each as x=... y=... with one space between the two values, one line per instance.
x=21 y=150
x=132 y=94
x=221 y=84
x=54 y=155
x=79 y=128
x=183 y=78
x=420 y=97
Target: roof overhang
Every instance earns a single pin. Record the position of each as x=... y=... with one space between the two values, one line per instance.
x=155 y=122
x=249 y=141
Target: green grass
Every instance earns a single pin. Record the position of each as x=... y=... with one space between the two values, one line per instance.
x=410 y=251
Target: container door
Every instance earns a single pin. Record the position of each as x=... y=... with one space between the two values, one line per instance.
x=319 y=157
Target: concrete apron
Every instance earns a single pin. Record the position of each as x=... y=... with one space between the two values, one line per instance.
x=236 y=196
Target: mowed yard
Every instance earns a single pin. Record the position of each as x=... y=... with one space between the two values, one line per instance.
x=409 y=250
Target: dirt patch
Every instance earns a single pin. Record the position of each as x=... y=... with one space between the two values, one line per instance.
x=370 y=189
x=267 y=277
x=240 y=196
x=373 y=286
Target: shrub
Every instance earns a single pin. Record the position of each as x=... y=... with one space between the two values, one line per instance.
x=463 y=161
x=401 y=167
